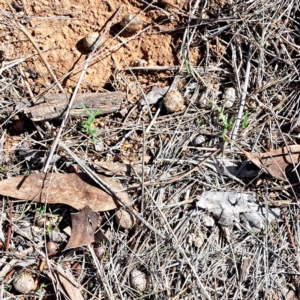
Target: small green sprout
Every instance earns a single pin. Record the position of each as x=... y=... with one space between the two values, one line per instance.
x=187 y=67
x=226 y=124
x=87 y=125
x=2 y=169
x=245 y=121
x=199 y=122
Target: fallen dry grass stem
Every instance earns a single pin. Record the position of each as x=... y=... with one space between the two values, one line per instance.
x=177 y=242
x=243 y=98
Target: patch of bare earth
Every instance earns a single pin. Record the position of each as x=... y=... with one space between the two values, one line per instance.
x=58 y=27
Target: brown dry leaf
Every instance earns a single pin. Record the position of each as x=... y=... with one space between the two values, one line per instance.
x=274 y=162
x=76 y=190
x=245 y=268
x=84 y=224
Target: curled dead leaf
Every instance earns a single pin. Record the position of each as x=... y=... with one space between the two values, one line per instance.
x=84 y=225
x=275 y=162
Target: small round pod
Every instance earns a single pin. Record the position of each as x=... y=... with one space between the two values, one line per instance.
x=138 y=280
x=229 y=97
x=200 y=139
x=24 y=283
x=174 y=101
x=131 y=23
x=125 y=219
x=90 y=40
x=51 y=247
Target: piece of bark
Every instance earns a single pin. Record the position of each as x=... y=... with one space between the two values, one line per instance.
x=245 y=268
x=54 y=105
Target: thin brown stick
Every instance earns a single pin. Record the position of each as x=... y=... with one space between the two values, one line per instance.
x=9 y=227
x=290 y=232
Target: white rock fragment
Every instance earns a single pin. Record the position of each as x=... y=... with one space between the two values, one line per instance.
x=229 y=97
x=208 y=221
x=198 y=239
x=99 y=146
x=138 y=280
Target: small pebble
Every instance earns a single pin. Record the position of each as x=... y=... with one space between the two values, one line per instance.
x=198 y=239
x=229 y=97
x=90 y=40
x=24 y=283
x=37 y=8
x=174 y=101
x=51 y=247
x=208 y=221
x=99 y=251
x=131 y=23
x=124 y=219
x=36 y=90
x=200 y=139
x=138 y=280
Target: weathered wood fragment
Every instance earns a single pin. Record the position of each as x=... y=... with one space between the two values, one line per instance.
x=53 y=106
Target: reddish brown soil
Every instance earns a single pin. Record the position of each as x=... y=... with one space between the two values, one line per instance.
x=59 y=26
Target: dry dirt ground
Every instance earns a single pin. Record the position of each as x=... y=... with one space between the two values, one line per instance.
x=58 y=27
x=208 y=217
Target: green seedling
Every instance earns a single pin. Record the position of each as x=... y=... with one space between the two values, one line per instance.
x=199 y=122
x=41 y=291
x=187 y=67
x=8 y=287
x=245 y=121
x=2 y=170
x=87 y=125
x=226 y=124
